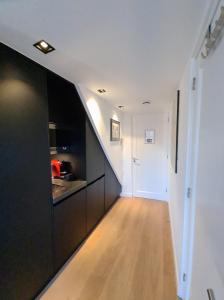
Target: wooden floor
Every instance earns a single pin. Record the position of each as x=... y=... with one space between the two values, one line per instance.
x=127 y=257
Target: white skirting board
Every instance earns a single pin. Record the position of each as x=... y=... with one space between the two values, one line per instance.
x=128 y=195
x=174 y=248
x=152 y=196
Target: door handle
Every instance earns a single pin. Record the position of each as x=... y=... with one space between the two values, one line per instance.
x=135 y=159
x=211 y=295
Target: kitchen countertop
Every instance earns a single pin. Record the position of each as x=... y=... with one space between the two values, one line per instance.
x=62 y=188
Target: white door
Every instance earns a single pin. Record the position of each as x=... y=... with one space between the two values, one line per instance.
x=150 y=159
x=194 y=107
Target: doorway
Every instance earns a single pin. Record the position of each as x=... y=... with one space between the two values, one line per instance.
x=150 y=168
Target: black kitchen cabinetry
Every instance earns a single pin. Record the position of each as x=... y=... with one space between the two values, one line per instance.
x=36 y=237
x=26 y=262
x=94 y=155
x=95 y=203
x=69 y=227
x=65 y=107
x=68 y=114
x=112 y=186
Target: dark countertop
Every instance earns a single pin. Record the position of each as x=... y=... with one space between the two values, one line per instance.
x=62 y=188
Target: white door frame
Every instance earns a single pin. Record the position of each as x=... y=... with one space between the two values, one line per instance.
x=164 y=197
x=194 y=110
x=192 y=157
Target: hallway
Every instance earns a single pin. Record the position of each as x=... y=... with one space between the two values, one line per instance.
x=128 y=256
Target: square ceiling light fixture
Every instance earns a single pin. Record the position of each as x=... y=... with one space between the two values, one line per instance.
x=101 y=91
x=44 y=47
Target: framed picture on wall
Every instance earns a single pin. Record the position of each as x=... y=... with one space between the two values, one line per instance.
x=114 y=131
x=175 y=132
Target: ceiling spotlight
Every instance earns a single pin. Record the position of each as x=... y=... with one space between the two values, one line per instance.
x=101 y=91
x=146 y=102
x=121 y=107
x=43 y=44
x=44 y=47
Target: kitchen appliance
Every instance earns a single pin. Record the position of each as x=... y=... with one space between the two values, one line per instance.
x=66 y=170
x=55 y=168
x=61 y=169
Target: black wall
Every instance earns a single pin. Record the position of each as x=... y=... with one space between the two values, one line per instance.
x=94 y=155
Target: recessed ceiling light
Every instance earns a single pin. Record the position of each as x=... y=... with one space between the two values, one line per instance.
x=146 y=102
x=44 y=47
x=43 y=44
x=121 y=107
x=101 y=91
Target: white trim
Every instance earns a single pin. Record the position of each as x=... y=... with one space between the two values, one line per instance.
x=188 y=179
x=128 y=195
x=194 y=185
x=132 y=155
x=149 y=195
x=176 y=265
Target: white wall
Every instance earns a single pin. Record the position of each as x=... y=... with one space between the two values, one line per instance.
x=208 y=262
x=208 y=244
x=177 y=181
x=207 y=197
x=100 y=112
x=127 y=155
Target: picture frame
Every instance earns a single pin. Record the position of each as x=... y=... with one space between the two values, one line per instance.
x=115 y=130
x=175 y=132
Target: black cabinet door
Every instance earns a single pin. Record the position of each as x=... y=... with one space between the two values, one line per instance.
x=112 y=186
x=69 y=227
x=65 y=106
x=25 y=201
x=94 y=155
x=95 y=203
x=109 y=193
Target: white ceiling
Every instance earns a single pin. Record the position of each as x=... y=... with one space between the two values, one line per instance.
x=135 y=49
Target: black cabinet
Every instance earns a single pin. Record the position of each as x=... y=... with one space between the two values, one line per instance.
x=112 y=186
x=68 y=116
x=69 y=226
x=25 y=205
x=94 y=155
x=65 y=106
x=95 y=203
x=30 y=97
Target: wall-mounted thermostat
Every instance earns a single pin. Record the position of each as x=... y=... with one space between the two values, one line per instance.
x=149 y=136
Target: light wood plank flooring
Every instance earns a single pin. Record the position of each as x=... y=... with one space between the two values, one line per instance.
x=127 y=257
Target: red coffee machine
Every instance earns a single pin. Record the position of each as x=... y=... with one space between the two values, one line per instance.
x=55 y=168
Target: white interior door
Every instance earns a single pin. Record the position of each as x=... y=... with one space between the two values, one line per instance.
x=194 y=106
x=207 y=239
x=150 y=159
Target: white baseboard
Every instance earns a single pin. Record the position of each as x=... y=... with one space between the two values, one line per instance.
x=125 y=194
x=174 y=247
x=153 y=196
